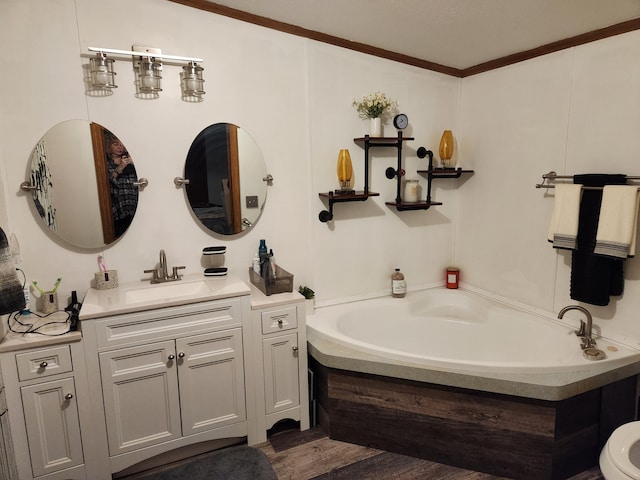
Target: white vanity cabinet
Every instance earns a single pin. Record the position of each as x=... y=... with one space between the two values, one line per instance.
x=43 y=397
x=165 y=390
x=280 y=343
x=171 y=377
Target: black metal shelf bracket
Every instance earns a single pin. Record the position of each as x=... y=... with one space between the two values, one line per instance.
x=423 y=152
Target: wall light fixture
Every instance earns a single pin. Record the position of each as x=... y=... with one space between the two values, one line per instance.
x=148 y=66
x=101 y=76
x=192 y=83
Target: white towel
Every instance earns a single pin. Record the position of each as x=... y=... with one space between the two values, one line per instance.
x=618 y=223
x=563 y=229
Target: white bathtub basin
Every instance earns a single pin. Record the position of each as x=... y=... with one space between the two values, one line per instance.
x=460 y=330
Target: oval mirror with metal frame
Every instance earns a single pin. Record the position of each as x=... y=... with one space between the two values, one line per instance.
x=84 y=184
x=225 y=179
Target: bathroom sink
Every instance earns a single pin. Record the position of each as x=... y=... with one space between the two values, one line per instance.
x=141 y=295
x=166 y=291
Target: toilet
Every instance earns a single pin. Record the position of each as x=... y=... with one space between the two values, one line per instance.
x=620 y=457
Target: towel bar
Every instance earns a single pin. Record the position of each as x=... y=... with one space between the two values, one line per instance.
x=551 y=176
x=539 y=185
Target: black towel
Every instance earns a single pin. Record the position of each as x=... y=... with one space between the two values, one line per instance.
x=11 y=294
x=594 y=278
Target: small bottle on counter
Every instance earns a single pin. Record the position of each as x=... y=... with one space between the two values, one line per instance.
x=453 y=277
x=272 y=261
x=262 y=248
x=398 y=285
x=256 y=264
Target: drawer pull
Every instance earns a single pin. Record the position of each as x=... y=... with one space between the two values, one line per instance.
x=171 y=357
x=68 y=396
x=294 y=348
x=280 y=322
x=181 y=355
x=44 y=364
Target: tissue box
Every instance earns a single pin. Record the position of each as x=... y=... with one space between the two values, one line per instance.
x=106 y=280
x=282 y=283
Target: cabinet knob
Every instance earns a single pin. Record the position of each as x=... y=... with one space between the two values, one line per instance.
x=68 y=396
x=280 y=322
x=171 y=356
x=44 y=364
x=181 y=355
x=294 y=348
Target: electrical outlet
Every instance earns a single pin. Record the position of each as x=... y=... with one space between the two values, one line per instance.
x=252 y=201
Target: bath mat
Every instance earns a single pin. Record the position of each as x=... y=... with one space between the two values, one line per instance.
x=235 y=463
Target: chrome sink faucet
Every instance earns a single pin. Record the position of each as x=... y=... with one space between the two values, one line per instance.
x=163 y=265
x=161 y=274
x=585 y=330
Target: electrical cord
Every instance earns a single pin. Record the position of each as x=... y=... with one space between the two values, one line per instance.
x=24 y=277
x=31 y=328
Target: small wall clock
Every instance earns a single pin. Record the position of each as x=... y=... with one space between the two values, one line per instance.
x=400 y=121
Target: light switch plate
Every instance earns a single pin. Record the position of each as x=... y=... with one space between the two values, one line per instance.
x=252 y=201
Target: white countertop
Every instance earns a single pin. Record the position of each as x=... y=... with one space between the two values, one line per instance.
x=141 y=296
x=54 y=330
x=260 y=300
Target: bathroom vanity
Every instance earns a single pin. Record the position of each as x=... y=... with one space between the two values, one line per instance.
x=280 y=346
x=181 y=367
x=44 y=376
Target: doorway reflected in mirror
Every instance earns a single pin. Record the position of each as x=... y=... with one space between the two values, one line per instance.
x=84 y=177
x=227 y=189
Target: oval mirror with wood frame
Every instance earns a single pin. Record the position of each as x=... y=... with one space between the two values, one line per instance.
x=84 y=184
x=226 y=179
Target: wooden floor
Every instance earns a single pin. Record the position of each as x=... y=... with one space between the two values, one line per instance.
x=308 y=455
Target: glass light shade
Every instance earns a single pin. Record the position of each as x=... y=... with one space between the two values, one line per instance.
x=149 y=75
x=345 y=169
x=192 y=83
x=446 y=148
x=101 y=74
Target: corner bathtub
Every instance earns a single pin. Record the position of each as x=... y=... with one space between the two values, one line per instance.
x=463 y=331
x=458 y=378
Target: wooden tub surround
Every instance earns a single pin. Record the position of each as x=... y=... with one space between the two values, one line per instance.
x=505 y=435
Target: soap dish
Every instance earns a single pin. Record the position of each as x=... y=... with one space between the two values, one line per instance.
x=215 y=272
x=214 y=250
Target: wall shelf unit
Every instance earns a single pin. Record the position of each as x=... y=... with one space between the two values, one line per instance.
x=431 y=175
x=367 y=142
x=399 y=204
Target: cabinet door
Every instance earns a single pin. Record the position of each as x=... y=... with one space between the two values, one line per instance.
x=211 y=372
x=53 y=429
x=281 y=380
x=140 y=390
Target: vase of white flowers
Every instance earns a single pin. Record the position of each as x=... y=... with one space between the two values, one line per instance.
x=375 y=107
x=375 y=127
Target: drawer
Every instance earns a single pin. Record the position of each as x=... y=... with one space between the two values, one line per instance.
x=168 y=323
x=279 y=320
x=44 y=363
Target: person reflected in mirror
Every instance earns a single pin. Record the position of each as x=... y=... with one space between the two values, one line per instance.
x=122 y=176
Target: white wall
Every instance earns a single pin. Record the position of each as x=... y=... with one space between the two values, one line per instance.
x=293 y=96
x=575 y=111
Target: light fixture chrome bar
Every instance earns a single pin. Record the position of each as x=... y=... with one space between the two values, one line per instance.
x=145 y=54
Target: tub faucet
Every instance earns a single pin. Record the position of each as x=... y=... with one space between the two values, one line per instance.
x=585 y=328
x=161 y=274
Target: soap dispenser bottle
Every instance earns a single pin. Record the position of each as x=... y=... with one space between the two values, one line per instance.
x=262 y=249
x=398 y=285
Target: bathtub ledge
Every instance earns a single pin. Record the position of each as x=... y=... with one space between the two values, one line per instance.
x=542 y=386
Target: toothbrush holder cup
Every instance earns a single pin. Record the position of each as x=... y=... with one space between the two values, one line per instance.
x=106 y=280
x=48 y=302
